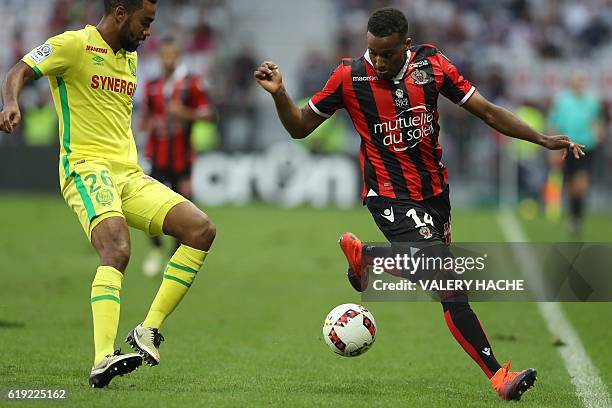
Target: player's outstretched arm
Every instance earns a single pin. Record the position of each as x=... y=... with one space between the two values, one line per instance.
x=298 y=122
x=15 y=80
x=509 y=124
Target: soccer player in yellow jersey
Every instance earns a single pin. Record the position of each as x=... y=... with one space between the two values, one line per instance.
x=92 y=74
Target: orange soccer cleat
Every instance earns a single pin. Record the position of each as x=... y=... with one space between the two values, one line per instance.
x=511 y=385
x=357 y=271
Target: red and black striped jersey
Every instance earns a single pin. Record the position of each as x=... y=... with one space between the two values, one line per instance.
x=397 y=120
x=169 y=140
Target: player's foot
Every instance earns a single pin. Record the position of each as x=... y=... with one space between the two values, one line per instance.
x=153 y=263
x=357 y=271
x=146 y=341
x=112 y=366
x=511 y=385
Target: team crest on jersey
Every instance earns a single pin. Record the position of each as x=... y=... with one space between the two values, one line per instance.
x=420 y=77
x=104 y=197
x=41 y=53
x=425 y=232
x=132 y=67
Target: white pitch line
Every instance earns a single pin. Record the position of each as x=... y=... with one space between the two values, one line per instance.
x=584 y=375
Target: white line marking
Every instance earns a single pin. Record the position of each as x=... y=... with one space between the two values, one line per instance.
x=584 y=375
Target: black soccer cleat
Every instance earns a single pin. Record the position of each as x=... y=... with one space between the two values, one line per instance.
x=112 y=366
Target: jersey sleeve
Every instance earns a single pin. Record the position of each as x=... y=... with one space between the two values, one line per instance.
x=455 y=87
x=56 y=55
x=328 y=100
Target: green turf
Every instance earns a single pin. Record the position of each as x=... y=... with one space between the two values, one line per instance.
x=249 y=331
x=591 y=320
x=596 y=228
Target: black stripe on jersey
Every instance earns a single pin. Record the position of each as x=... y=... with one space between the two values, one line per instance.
x=329 y=104
x=423 y=51
x=369 y=174
x=415 y=152
x=451 y=91
x=431 y=99
x=367 y=104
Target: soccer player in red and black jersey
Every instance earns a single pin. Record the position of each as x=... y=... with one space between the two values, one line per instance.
x=391 y=94
x=172 y=103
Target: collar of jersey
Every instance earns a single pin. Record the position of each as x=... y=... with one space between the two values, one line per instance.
x=119 y=53
x=400 y=75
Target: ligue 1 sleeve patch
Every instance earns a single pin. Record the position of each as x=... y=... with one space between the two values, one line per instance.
x=41 y=53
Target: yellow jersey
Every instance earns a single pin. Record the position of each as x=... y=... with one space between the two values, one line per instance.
x=92 y=89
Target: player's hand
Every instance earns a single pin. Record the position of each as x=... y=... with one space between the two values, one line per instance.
x=10 y=118
x=562 y=142
x=269 y=77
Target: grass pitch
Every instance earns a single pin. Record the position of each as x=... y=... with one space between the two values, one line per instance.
x=249 y=331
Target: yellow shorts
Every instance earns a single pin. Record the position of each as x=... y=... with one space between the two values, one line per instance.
x=98 y=189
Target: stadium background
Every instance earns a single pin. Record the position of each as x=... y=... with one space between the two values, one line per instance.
x=519 y=54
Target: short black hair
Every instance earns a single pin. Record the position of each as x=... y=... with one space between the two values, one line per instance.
x=130 y=5
x=386 y=21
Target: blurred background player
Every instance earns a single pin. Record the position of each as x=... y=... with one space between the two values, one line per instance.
x=577 y=112
x=173 y=102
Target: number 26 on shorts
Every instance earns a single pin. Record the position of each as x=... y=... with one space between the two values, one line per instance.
x=92 y=181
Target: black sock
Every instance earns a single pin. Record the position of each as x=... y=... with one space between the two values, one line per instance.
x=467 y=330
x=576 y=207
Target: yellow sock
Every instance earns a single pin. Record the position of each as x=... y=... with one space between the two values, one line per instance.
x=105 y=307
x=178 y=277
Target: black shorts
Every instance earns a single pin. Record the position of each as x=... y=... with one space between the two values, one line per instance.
x=573 y=165
x=169 y=178
x=413 y=221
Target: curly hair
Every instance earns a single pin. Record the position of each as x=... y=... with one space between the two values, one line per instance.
x=386 y=21
x=130 y=5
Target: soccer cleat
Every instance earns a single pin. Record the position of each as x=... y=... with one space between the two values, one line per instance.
x=511 y=385
x=357 y=271
x=146 y=342
x=112 y=366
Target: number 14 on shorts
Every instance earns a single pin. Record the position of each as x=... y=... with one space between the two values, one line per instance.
x=427 y=219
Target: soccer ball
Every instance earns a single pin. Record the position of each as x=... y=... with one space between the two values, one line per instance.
x=349 y=330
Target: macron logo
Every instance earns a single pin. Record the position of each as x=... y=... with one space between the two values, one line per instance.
x=365 y=78
x=96 y=49
x=486 y=351
x=388 y=214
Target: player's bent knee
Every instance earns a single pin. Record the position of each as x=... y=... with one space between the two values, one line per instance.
x=202 y=233
x=116 y=254
x=207 y=230
x=111 y=239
